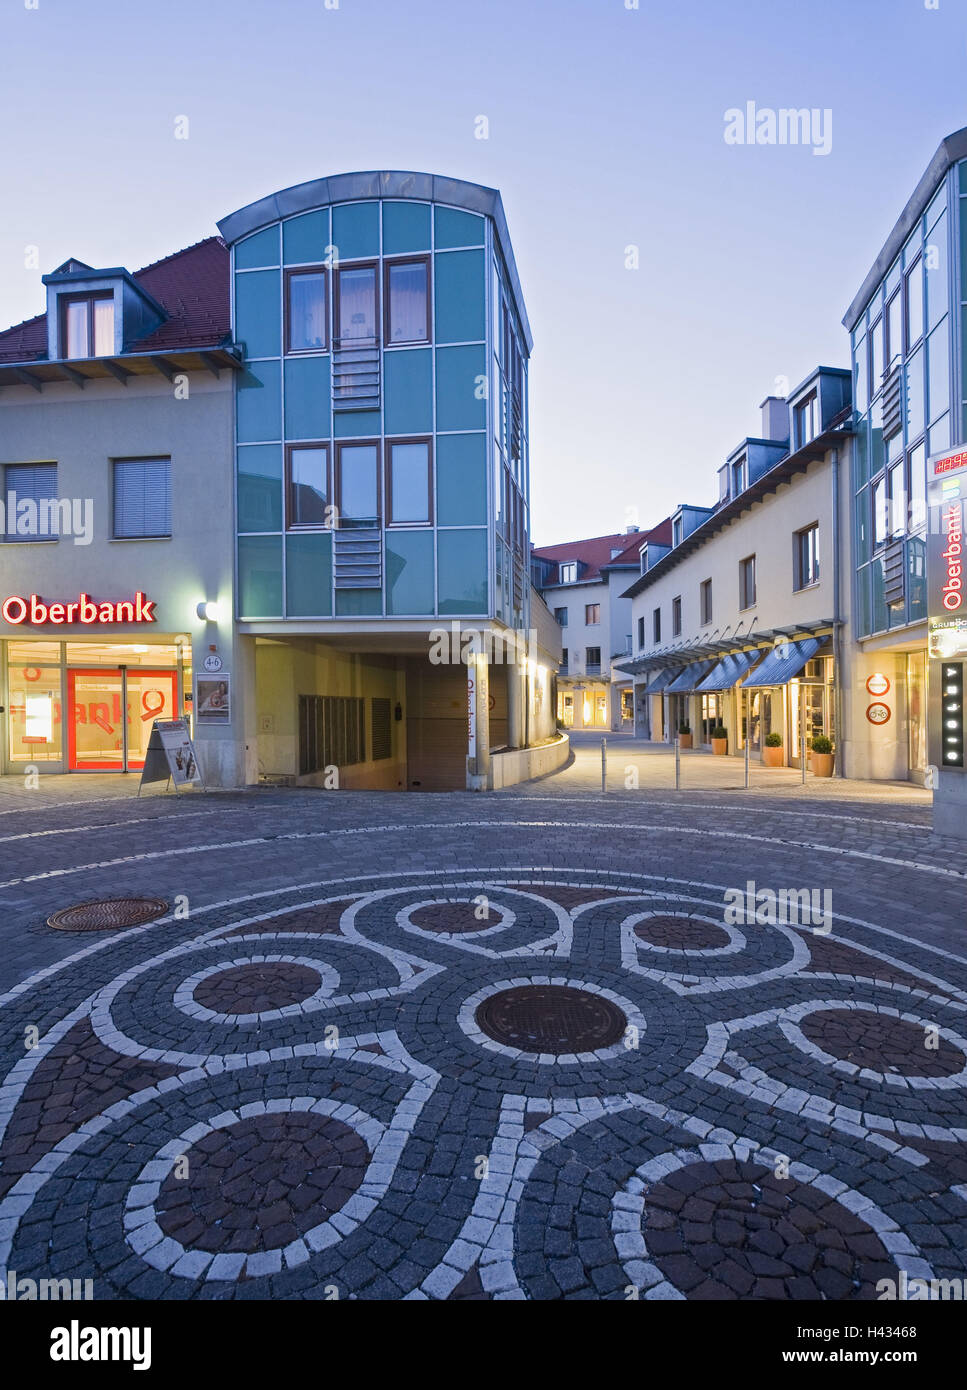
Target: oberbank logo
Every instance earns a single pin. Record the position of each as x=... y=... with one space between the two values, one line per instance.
x=35 y=612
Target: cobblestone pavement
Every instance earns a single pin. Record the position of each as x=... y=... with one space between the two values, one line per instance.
x=467 y=1047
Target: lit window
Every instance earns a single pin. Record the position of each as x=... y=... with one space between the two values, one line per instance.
x=87 y=325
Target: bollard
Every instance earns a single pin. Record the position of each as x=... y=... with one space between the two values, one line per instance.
x=678 y=764
x=802 y=754
x=748 y=765
x=604 y=764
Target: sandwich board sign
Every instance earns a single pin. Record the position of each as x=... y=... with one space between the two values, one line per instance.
x=170 y=756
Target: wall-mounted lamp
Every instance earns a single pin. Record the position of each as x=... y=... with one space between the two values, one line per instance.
x=208 y=611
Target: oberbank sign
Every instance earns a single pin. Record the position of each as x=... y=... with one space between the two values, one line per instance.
x=946 y=568
x=34 y=611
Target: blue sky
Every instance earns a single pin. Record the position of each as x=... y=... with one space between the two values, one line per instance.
x=606 y=130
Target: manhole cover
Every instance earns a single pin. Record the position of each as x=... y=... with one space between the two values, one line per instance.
x=107 y=915
x=551 y=1018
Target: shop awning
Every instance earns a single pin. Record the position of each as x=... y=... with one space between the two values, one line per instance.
x=663 y=679
x=730 y=669
x=688 y=680
x=783 y=662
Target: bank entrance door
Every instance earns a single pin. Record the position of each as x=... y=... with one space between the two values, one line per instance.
x=98 y=738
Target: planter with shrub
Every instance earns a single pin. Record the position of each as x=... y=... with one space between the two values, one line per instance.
x=684 y=735
x=823 y=756
x=720 y=740
x=772 y=750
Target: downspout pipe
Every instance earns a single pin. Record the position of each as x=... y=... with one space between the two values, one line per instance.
x=840 y=770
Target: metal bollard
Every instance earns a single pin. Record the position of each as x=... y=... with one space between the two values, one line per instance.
x=678 y=764
x=748 y=765
x=604 y=764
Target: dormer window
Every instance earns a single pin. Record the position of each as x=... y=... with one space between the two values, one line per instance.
x=87 y=325
x=738 y=477
x=569 y=572
x=677 y=531
x=807 y=421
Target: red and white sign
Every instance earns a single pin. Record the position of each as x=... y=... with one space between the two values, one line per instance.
x=878 y=713
x=35 y=612
x=950 y=463
x=878 y=684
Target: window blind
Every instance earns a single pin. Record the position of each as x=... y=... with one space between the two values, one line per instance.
x=142 y=497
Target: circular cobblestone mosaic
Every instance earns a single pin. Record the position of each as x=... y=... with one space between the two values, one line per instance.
x=249 y=989
x=881 y=1043
x=734 y=1230
x=551 y=1018
x=682 y=933
x=448 y=917
x=261 y=1183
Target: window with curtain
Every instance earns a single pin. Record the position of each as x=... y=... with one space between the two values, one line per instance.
x=308 y=485
x=32 y=482
x=307 y=329
x=409 y=483
x=407 y=302
x=142 y=498
x=356 y=289
x=87 y=326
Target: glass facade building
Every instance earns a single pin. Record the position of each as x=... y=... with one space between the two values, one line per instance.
x=381 y=421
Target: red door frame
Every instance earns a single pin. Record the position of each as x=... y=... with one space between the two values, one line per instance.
x=102 y=671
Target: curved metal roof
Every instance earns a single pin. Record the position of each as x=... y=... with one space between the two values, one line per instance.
x=385 y=183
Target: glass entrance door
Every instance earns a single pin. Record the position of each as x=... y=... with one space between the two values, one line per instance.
x=97 y=739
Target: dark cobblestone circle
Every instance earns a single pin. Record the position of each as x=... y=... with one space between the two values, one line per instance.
x=260 y=1184
x=448 y=917
x=881 y=1043
x=256 y=988
x=551 y=1018
x=731 y=1230
x=682 y=933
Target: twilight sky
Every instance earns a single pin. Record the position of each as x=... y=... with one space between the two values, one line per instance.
x=606 y=131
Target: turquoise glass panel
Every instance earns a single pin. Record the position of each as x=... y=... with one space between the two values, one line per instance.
x=963 y=248
x=258 y=313
x=455 y=228
x=409 y=572
x=356 y=424
x=861 y=453
x=359 y=603
x=963 y=175
x=461 y=479
x=260 y=576
x=408 y=395
x=916 y=579
x=939 y=436
x=881 y=618
x=260 y=487
x=406 y=227
x=460 y=294
x=355 y=230
x=260 y=249
x=461 y=384
x=938 y=372
x=259 y=403
x=305 y=238
x=307 y=398
x=462 y=571
x=308 y=574
x=914 y=399
x=863 y=618
x=861 y=520
x=937 y=206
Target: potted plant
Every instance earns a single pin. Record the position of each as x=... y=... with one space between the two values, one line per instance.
x=772 y=750
x=720 y=739
x=684 y=734
x=822 y=756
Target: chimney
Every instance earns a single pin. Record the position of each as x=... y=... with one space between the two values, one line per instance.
x=630 y=530
x=775 y=419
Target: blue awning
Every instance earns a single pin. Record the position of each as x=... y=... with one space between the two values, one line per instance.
x=783 y=662
x=688 y=680
x=730 y=669
x=663 y=679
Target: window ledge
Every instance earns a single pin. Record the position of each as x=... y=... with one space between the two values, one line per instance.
x=127 y=540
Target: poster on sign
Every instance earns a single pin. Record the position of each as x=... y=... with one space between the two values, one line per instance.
x=170 y=755
x=213 y=699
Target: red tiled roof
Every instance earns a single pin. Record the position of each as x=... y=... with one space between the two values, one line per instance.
x=192 y=286
x=595 y=552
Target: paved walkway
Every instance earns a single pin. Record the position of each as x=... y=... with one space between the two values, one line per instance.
x=528 y=1045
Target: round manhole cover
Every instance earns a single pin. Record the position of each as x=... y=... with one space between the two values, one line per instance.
x=108 y=914
x=551 y=1018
